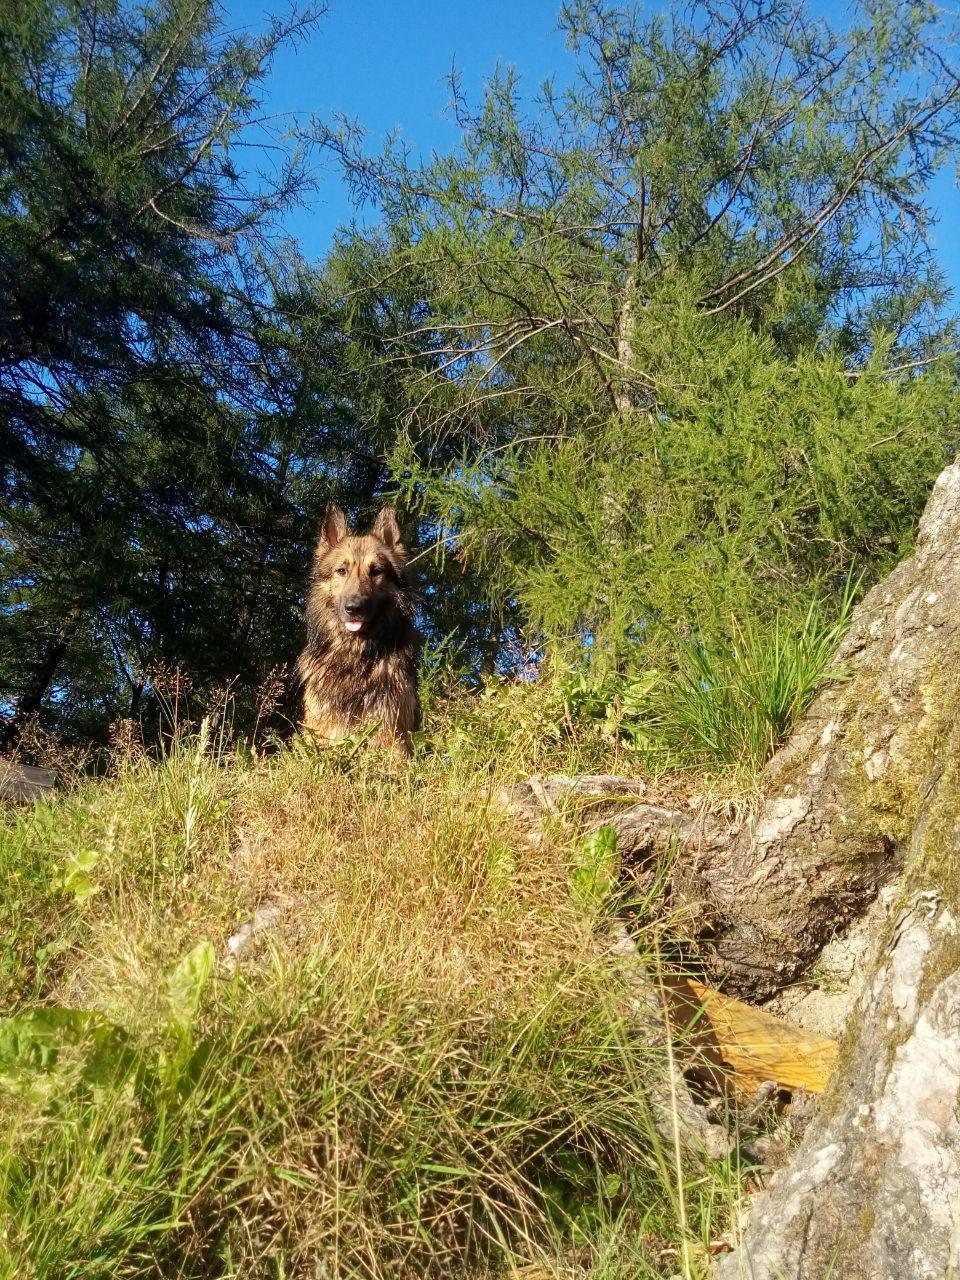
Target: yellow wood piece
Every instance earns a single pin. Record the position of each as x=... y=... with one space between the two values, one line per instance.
x=751 y=1045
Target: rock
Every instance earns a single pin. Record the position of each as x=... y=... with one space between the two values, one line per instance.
x=263 y=920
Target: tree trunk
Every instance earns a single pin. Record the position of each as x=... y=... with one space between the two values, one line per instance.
x=864 y=797
x=37 y=686
x=865 y=794
x=873 y=1193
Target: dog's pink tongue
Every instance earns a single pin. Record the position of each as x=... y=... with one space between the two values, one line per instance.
x=353 y=626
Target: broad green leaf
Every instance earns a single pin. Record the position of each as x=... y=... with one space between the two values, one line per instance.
x=186 y=982
x=32 y=1043
x=77 y=879
x=595 y=871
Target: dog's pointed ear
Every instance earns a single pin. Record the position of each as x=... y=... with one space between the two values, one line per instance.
x=335 y=527
x=385 y=528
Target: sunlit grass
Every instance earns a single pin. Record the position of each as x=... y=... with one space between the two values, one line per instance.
x=736 y=705
x=425 y=1066
x=723 y=707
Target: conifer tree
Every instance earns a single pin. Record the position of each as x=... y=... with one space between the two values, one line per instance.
x=143 y=455
x=677 y=348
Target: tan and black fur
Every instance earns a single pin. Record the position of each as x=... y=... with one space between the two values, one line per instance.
x=359 y=665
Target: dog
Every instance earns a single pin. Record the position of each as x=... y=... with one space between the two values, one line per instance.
x=359 y=665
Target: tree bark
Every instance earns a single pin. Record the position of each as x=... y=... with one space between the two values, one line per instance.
x=873 y=1193
x=864 y=797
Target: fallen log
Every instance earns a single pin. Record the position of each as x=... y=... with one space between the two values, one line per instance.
x=23 y=781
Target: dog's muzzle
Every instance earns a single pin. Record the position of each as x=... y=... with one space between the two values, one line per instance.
x=354 y=615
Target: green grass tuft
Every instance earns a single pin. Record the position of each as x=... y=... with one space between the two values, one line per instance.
x=720 y=707
x=736 y=706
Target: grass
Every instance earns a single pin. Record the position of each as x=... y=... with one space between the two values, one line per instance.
x=426 y=1067
x=736 y=706
x=721 y=708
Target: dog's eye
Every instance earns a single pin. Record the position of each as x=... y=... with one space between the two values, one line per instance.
x=375 y=571
x=342 y=571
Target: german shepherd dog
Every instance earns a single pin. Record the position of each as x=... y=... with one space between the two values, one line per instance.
x=359 y=665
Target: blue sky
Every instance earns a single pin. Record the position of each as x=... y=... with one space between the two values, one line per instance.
x=384 y=63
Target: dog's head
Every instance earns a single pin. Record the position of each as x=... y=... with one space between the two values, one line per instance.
x=360 y=577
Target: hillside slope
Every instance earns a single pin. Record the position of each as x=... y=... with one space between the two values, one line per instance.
x=301 y=1017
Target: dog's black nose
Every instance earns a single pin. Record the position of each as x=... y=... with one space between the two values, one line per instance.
x=353 y=604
